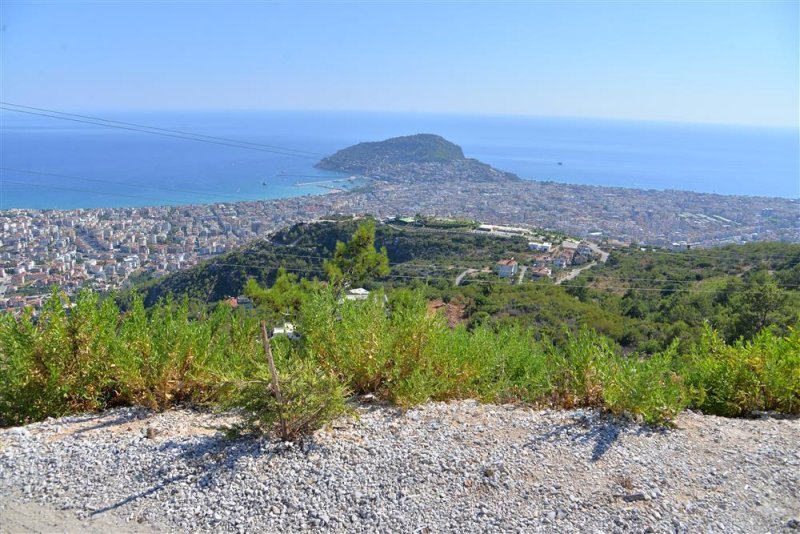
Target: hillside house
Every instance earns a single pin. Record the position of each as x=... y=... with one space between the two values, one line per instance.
x=358 y=293
x=540 y=247
x=286 y=330
x=563 y=260
x=541 y=272
x=506 y=268
x=245 y=302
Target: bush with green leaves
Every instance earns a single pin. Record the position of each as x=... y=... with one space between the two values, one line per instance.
x=309 y=397
x=405 y=355
x=89 y=356
x=734 y=380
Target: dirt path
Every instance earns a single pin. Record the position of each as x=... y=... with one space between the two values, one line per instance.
x=18 y=516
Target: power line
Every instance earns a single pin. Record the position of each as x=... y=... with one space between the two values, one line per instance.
x=659 y=280
x=213 y=263
x=716 y=253
x=76 y=190
x=189 y=137
x=701 y=253
x=123 y=184
x=168 y=130
x=286 y=252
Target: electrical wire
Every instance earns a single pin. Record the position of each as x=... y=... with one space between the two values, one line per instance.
x=212 y=263
x=123 y=184
x=237 y=144
x=90 y=191
x=168 y=130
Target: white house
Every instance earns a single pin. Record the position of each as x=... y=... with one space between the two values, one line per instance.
x=286 y=330
x=358 y=293
x=540 y=247
x=506 y=268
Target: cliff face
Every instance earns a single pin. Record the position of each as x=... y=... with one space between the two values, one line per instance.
x=419 y=148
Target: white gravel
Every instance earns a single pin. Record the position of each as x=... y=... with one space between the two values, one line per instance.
x=459 y=467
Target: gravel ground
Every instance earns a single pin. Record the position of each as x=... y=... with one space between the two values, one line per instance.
x=441 y=467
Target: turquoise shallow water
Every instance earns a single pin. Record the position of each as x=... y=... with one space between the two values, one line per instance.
x=110 y=168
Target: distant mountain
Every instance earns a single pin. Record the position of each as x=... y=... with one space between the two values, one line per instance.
x=419 y=148
x=425 y=158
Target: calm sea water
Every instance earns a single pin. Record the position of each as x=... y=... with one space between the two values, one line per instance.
x=102 y=167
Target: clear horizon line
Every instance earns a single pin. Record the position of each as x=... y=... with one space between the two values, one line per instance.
x=773 y=126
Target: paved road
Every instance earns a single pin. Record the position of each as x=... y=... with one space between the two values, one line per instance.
x=461 y=276
x=597 y=250
x=522 y=271
x=575 y=272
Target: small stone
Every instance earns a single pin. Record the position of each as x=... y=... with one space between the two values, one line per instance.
x=633 y=497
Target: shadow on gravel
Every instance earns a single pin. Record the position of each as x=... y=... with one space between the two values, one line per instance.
x=137 y=496
x=205 y=461
x=103 y=421
x=603 y=431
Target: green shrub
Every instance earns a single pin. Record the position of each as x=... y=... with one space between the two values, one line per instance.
x=89 y=356
x=734 y=380
x=578 y=369
x=93 y=357
x=310 y=397
x=647 y=389
x=406 y=356
x=57 y=363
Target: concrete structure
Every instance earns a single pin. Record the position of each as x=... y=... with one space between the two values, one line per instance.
x=286 y=330
x=358 y=293
x=506 y=268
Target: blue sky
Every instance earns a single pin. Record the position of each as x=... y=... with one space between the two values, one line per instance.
x=735 y=62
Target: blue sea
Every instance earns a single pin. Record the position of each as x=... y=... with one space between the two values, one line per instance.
x=103 y=167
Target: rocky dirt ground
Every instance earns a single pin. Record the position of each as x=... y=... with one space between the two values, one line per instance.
x=458 y=467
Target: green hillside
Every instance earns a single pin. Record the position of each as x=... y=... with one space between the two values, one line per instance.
x=583 y=343
x=301 y=249
x=419 y=148
x=643 y=300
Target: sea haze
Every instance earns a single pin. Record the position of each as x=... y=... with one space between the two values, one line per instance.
x=148 y=170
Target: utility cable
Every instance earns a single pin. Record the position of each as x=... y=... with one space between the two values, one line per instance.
x=182 y=132
x=237 y=144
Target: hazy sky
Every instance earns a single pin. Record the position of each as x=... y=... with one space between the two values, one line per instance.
x=735 y=62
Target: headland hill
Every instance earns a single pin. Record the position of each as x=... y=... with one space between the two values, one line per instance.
x=418 y=174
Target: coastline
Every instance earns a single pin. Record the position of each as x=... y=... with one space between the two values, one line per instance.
x=629 y=154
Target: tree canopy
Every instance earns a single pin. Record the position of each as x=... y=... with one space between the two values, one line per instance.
x=357 y=262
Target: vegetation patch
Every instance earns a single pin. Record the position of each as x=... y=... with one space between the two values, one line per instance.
x=89 y=355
